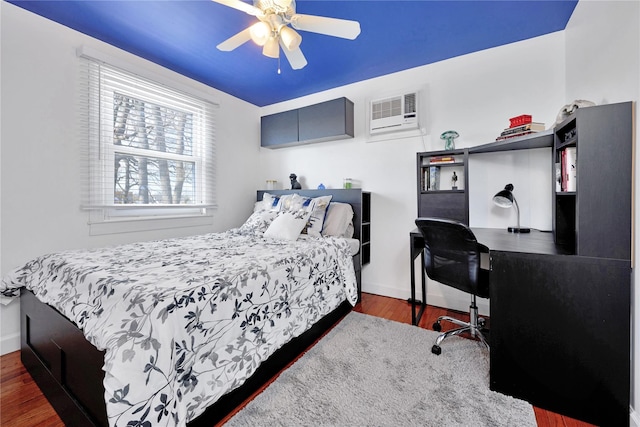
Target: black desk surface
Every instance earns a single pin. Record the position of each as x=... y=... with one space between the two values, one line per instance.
x=499 y=239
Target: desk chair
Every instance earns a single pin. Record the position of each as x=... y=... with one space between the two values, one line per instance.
x=452 y=257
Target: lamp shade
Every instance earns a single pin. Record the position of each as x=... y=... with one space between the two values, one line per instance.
x=271 y=48
x=290 y=38
x=260 y=33
x=506 y=199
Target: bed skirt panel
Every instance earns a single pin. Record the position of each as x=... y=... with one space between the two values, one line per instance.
x=66 y=367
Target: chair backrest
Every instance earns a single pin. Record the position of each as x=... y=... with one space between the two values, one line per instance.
x=452 y=255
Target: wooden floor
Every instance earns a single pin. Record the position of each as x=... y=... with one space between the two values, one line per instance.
x=22 y=403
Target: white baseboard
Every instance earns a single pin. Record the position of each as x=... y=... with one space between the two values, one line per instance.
x=386 y=291
x=634 y=418
x=9 y=343
x=456 y=301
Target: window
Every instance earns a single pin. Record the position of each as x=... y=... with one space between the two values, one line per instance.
x=149 y=151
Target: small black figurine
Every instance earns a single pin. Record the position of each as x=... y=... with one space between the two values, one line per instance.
x=295 y=185
x=454 y=180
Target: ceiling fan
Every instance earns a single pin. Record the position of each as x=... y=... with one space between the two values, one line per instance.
x=272 y=31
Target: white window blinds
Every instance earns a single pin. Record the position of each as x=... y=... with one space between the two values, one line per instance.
x=148 y=150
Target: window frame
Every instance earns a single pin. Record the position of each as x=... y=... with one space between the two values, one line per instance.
x=107 y=217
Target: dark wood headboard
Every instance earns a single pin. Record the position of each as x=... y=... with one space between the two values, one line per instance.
x=352 y=196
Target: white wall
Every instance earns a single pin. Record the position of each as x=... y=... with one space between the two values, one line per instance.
x=596 y=58
x=40 y=170
x=603 y=66
x=474 y=94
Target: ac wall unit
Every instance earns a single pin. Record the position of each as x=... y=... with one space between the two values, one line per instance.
x=394 y=114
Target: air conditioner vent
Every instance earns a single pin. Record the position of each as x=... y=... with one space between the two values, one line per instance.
x=394 y=114
x=410 y=103
x=386 y=108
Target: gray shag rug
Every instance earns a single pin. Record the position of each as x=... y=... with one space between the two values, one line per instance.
x=370 y=371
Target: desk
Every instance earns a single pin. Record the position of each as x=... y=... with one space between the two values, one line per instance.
x=560 y=325
x=495 y=239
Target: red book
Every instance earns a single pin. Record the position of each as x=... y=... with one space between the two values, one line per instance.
x=442 y=159
x=520 y=120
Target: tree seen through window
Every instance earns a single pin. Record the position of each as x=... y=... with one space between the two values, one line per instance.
x=153 y=153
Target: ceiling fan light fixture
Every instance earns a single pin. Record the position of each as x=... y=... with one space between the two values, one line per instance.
x=290 y=38
x=271 y=48
x=283 y=3
x=260 y=33
x=277 y=28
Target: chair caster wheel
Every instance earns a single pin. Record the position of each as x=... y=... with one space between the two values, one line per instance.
x=436 y=350
x=437 y=327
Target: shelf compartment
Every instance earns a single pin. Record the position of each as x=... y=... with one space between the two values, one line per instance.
x=571 y=143
x=437 y=178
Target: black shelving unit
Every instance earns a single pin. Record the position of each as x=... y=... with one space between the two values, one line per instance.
x=365 y=234
x=560 y=323
x=440 y=199
x=595 y=219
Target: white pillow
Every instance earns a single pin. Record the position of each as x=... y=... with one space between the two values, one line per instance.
x=339 y=217
x=316 y=220
x=269 y=202
x=295 y=202
x=288 y=225
x=349 y=233
x=258 y=222
x=293 y=217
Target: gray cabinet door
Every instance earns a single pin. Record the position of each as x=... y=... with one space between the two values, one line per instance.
x=280 y=128
x=326 y=120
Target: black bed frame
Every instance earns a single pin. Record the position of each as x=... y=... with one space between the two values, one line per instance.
x=68 y=369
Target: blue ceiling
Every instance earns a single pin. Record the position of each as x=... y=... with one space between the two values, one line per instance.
x=396 y=35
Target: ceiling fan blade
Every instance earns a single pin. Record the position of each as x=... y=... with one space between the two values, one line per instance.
x=295 y=57
x=240 y=5
x=234 y=41
x=329 y=26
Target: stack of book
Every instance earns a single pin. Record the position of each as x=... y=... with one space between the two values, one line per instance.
x=442 y=159
x=566 y=170
x=520 y=126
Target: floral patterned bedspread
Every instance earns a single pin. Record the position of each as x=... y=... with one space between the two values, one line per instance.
x=183 y=321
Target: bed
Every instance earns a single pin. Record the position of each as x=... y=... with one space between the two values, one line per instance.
x=187 y=328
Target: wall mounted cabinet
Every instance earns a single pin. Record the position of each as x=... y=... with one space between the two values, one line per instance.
x=326 y=121
x=279 y=130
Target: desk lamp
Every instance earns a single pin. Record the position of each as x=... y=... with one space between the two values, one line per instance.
x=506 y=199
